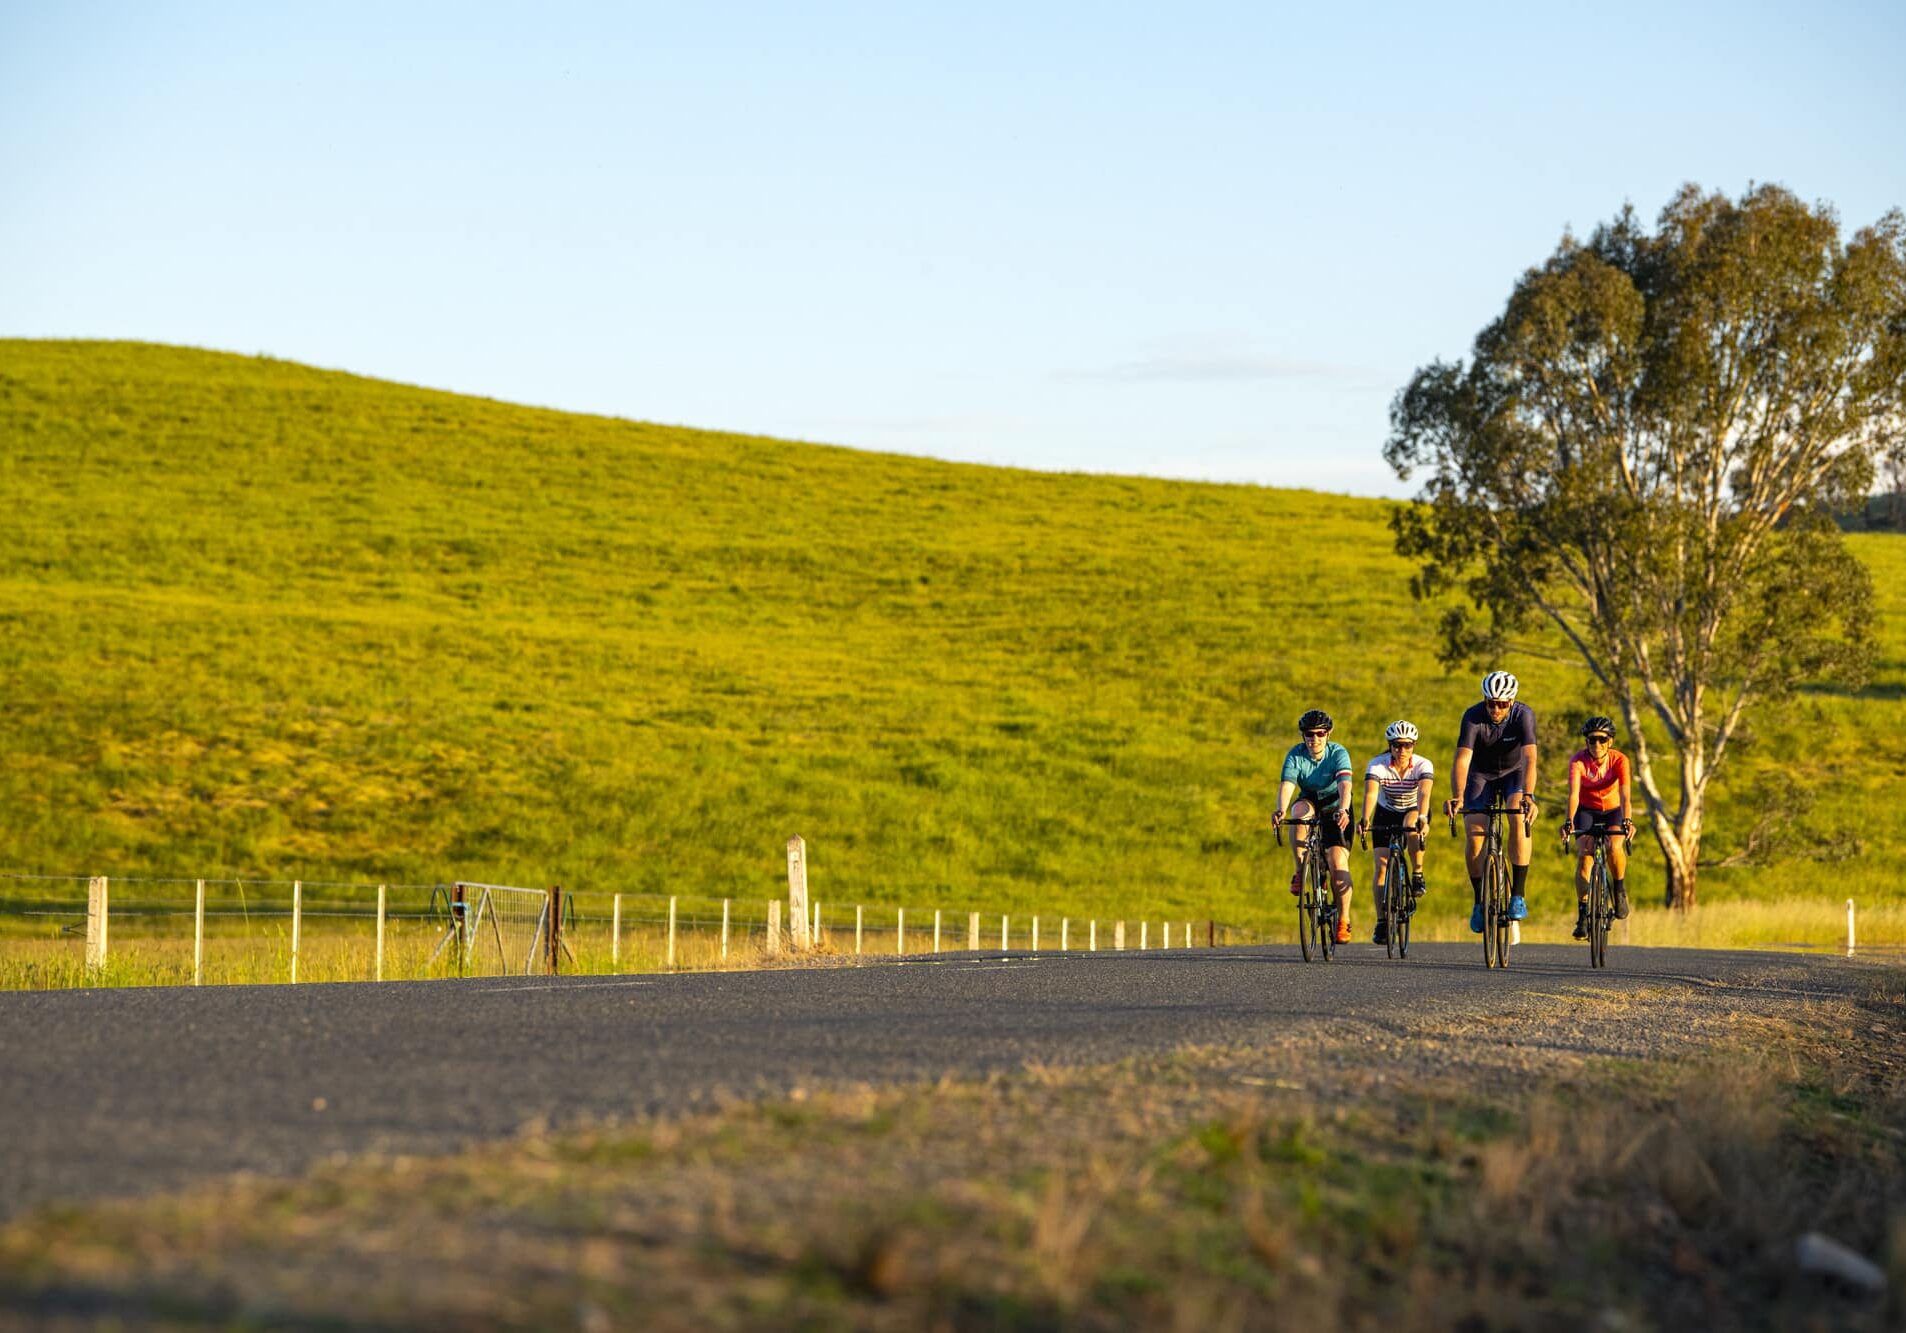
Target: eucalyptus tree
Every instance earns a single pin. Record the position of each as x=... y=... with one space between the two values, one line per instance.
x=1647 y=449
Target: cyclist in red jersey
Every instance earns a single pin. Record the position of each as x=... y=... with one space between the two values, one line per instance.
x=1599 y=786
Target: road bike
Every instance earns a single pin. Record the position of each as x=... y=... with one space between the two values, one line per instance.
x=1497 y=928
x=1598 y=910
x=1397 y=893
x=1316 y=899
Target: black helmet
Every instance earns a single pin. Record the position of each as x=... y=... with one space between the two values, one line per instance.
x=1599 y=726
x=1314 y=720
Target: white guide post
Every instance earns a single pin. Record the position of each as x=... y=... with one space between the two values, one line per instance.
x=198 y=937
x=615 y=932
x=1144 y=934
x=1004 y=934
x=1849 y=927
x=671 y=931
x=797 y=891
x=936 y=930
x=1035 y=934
x=1065 y=933
x=1167 y=935
x=774 y=927
x=377 y=958
x=900 y=930
x=724 y=930
x=1092 y=937
x=814 y=937
x=297 y=924
x=972 y=930
x=857 y=925
x=95 y=922
x=1118 y=934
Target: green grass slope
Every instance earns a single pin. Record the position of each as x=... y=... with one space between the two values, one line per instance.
x=266 y=620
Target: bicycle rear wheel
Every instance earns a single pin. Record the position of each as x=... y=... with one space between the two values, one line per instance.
x=1326 y=908
x=1489 y=875
x=1505 y=928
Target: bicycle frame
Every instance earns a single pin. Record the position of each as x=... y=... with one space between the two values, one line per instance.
x=1495 y=880
x=1398 y=904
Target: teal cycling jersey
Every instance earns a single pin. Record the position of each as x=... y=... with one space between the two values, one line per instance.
x=1317 y=779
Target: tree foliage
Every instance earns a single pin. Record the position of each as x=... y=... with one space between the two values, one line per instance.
x=1646 y=449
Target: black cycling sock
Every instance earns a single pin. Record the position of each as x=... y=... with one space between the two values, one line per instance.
x=1621 y=885
x=1518 y=876
x=1475 y=882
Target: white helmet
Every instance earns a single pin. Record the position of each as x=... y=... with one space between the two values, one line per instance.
x=1400 y=731
x=1499 y=686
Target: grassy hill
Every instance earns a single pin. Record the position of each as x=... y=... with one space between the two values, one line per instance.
x=266 y=620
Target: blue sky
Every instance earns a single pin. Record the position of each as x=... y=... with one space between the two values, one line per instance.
x=1191 y=240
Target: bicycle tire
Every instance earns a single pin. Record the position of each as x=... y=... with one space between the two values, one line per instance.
x=1403 y=940
x=1505 y=928
x=1395 y=888
x=1326 y=907
x=1489 y=872
x=1306 y=923
x=1598 y=911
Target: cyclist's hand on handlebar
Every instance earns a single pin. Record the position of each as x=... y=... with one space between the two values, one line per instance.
x=1343 y=820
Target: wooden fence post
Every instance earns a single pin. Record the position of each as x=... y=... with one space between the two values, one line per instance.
x=1849 y=928
x=96 y=917
x=554 y=942
x=671 y=932
x=774 y=927
x=724 y=930
x=972 y=930
x=198 y=937
x=797 y=891
x=814 y=936
x=1118 y=934
x=615 y=933
x=297 y=920
x=377 y=963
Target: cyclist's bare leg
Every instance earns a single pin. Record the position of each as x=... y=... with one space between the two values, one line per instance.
x=1414 y=842
x=1585 y=850
x=1478 y=828
x=1521 y=843
x=1618 y=857
x=1379 y=877
x=1340 y=878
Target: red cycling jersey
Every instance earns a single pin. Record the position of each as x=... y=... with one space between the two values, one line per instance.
x=1600 y=787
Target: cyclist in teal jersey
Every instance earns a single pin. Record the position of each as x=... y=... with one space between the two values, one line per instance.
x=1316 y=780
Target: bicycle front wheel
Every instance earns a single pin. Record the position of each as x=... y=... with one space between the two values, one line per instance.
x=1396 y=917
x=1599 y=910
x=1326 y=909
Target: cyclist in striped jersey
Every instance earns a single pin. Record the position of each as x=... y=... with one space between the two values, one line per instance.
x=1396 y=789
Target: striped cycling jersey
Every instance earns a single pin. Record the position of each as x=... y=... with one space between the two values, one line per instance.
x=1600 y=787
x=1396 y=787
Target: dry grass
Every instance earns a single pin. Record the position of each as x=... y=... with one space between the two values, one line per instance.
x=1428 y=1181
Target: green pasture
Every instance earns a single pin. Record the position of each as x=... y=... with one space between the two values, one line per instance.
x=260 y=620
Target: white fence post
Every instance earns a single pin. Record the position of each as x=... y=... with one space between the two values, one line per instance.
x=198 y=938
x=377 y=962
x=1092 y=937
x=724 y=930
x=671 y=932
x=1065 y=933
x=96 y=917
x=1035 y=934
x=1167 y=943
x=1004 y=934
x=297 y=923
x=797 y=890
x=1118 y=934
x=857 y=923
x=900 y=931
x=774 y=926
x=1849 y=928
x=936 y=930
x=814 y=936
x=972 y=930
x=615 y=932
x=1144 y=934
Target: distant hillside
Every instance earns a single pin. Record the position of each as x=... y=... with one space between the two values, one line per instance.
x=265 y=619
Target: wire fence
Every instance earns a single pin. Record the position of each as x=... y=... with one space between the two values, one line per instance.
x=171 y=930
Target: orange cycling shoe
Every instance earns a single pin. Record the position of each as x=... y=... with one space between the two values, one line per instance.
x=1343 y=929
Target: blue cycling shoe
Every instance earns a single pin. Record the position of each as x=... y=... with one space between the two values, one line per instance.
x=1475 y=919
x=1518 y=910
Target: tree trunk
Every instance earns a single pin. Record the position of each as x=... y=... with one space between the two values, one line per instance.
x=1680 y=842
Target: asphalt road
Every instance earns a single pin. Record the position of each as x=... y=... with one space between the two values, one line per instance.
x=122 y=1092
